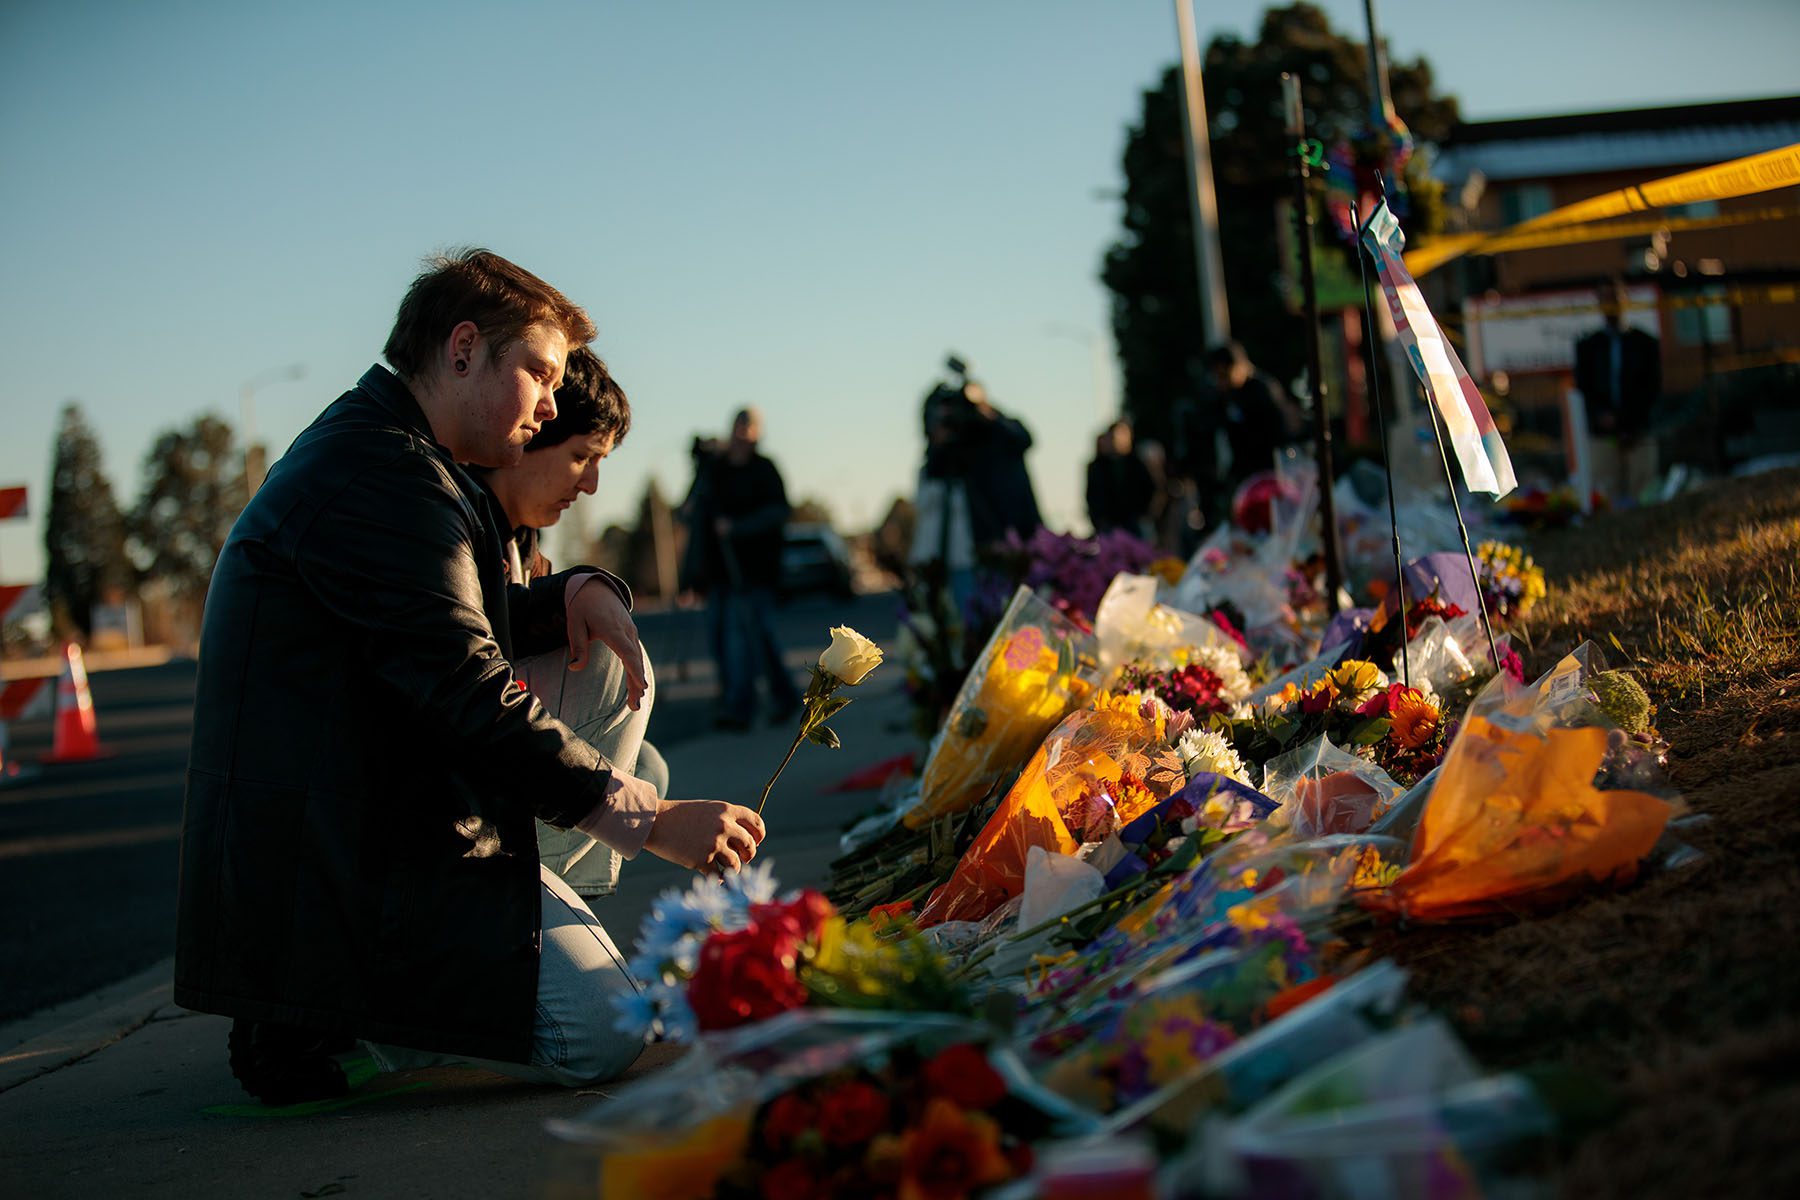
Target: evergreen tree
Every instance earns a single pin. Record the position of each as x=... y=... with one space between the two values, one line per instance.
x=84 y=534
x=193 y=491
x=1150 y=270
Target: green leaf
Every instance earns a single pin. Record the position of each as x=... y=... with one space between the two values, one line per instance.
x=822 y=735
x=1371 y=731
x=830 y=708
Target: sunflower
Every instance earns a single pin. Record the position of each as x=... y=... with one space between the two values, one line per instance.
x=1416 y=721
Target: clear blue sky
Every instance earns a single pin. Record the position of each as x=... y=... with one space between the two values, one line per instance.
x=799 y=205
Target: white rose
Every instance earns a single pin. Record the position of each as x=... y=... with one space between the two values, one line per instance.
x=850 y=657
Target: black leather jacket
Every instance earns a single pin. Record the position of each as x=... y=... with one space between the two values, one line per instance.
x=357 y=848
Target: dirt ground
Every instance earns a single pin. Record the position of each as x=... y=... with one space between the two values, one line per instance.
x=1680 y=994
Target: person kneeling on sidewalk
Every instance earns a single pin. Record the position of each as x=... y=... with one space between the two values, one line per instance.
x=358 y=851
x=561 y=464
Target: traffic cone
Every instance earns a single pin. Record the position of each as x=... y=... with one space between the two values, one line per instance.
x=77 y=737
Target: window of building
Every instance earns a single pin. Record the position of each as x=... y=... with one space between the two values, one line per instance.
x=1525 y=201
x=1703 y=318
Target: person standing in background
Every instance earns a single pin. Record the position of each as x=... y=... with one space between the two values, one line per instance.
x=741 y=511
x=1120 y=489
x=1257 y=415
x=1618 y=371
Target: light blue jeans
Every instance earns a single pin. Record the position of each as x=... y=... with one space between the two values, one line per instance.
x=574 y=1040
x=591 y=702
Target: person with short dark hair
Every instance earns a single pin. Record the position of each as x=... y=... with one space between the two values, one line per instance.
x=358 y=853
x=561 y=464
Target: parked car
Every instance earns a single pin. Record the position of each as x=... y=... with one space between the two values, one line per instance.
x=814 y=559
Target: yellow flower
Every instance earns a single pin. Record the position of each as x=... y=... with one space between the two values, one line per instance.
x=1355 y=680
x=1169 y=569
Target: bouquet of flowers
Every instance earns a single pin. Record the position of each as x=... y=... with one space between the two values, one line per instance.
x=1511 y=584
x=1098 y=770
x=1035 y=670
x=720 y=955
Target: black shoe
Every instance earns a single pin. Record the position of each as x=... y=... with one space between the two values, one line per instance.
x=284 y=1064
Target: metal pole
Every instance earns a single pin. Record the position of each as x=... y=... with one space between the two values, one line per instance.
x=1203 y=206
x=1303 y=221
x=1381 y=102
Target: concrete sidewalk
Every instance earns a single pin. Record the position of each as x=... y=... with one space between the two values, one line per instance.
x=123 y=1094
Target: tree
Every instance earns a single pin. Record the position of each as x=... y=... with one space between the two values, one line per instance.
x=84 y=535
x=811 y=510
x=192 y=492
x=1150 y=270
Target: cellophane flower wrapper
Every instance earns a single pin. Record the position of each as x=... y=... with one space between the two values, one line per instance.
x=1517 y=813
x=1208 y=802
x=1406 y=1114
x=1251 y=892
x=1036 y=668
x=1322 y=790
x=1338 y=1016
x=1083 y=774
x=1131 y=626
x=699 y=1122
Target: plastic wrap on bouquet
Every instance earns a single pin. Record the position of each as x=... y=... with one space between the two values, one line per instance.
x=1435 y=658
x=744 y=1109
x=1132 y=627
x=1095 y=772
x=1251 y=893
x=1143 y=1037
x=1337 y=1016
x=1210 y=806
x=1323 y=790
x=1037 y=667
x=1518 y=813
x=1406 y=1114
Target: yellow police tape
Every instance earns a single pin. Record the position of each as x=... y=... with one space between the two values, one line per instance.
x=1739 y=177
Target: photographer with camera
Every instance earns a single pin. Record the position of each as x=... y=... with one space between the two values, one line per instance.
x=974 y=488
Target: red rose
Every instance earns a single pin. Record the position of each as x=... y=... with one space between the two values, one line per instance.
x=745 y=976
x=962 y=1074
x=786 y=1118
x=791 y=1179
x=803 y=916
x=852 y=1113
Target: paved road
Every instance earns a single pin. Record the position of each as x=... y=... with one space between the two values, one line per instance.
x=88 y=851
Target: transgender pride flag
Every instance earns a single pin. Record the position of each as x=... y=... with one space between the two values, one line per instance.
x=1479 y=450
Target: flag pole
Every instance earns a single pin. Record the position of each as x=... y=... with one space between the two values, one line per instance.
x=1387 y=462
x=1303 y=228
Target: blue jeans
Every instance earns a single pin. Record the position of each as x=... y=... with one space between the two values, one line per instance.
x=591 y=702
x=741 y=624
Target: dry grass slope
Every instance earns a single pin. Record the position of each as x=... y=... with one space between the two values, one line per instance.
x=1682 y=990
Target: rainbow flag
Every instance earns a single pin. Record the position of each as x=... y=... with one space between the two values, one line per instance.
x=1486 y=467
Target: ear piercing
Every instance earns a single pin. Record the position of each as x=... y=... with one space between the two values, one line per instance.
x=461 y=366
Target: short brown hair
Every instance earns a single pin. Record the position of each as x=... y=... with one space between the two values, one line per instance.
x=589 y=401
x=501 y=298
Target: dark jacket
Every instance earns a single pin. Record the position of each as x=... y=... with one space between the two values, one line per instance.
x=357 y=848
x=1001 y=499
x=1618 y=405
x=1119 y=492
x=752 y=497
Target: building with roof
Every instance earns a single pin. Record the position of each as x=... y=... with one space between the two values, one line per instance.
x=1717 y=282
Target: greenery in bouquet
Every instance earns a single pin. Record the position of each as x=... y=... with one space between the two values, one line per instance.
x=724 y=954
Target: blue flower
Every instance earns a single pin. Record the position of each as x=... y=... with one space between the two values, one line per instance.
x=755 y=883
